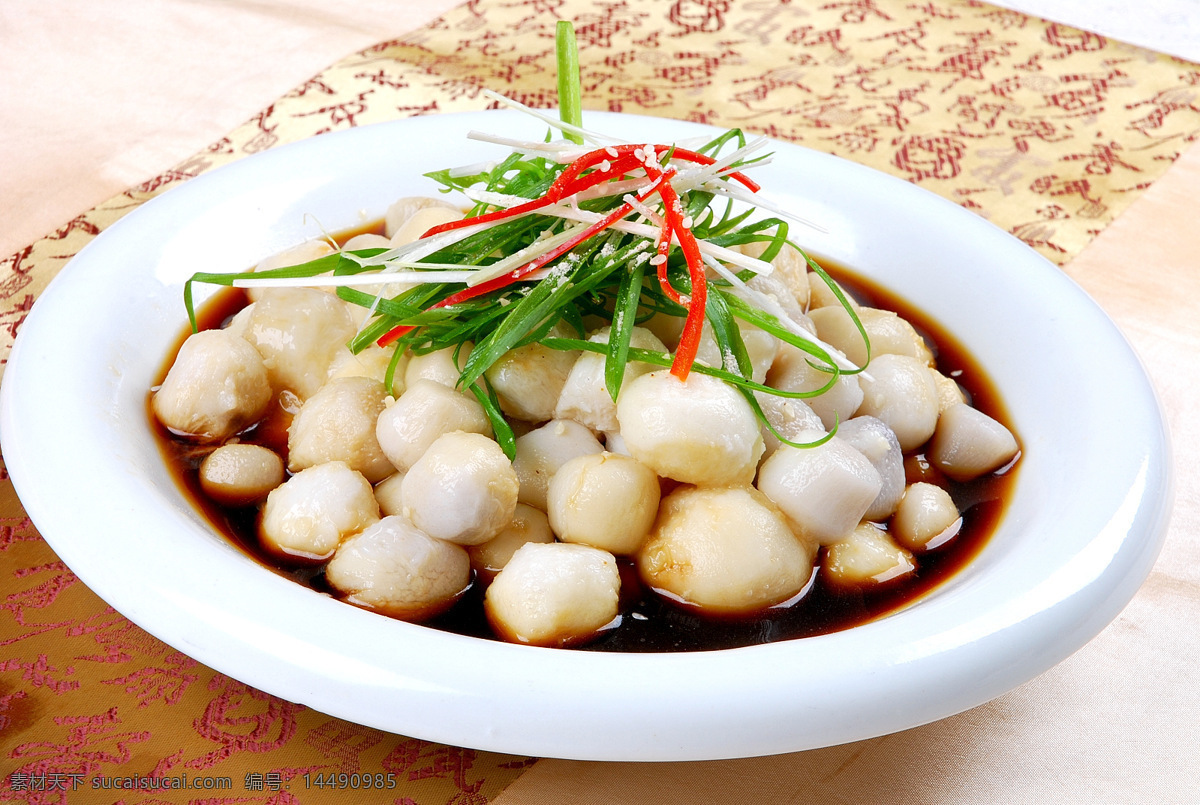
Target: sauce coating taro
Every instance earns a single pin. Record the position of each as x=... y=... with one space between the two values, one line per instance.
x=649 y=621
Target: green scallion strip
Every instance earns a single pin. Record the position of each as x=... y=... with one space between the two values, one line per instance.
x=758 y=412
x=336 y=263
x=664 y=359
x=572 y=316
x=624 y=318
x=766 y=321
x=500 y=427
x=727 y=335
x=719 y=142
x=543 y=300
x=843 y=301
x=410 y=303
x=729 y=341
x=570 y=92
x=389 y=377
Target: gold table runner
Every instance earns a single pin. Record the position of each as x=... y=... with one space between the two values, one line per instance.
x=1115 y=723
x=1048 y=131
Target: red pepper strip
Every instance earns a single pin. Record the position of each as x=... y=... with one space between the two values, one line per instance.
x=555 y=193
x=704 y=159
x=660 y=182
x=693 y=325
x=495 y=215
x=593 y=158
x=664 y=247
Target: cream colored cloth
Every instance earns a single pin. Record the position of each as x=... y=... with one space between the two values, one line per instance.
x=98 y=97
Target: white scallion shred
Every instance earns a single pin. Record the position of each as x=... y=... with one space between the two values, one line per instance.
x=588 y=136
x=356 y=280
x=471 y=170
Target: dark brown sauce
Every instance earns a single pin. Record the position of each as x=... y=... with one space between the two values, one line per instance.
x=648 y=621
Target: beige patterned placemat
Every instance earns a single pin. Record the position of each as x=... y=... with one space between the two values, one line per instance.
x=1047 y=131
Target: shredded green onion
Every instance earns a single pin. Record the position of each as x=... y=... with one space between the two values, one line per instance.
x=570 y=91
x=601 y=275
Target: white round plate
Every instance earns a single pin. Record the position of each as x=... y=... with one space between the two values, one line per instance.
x=1080 y=535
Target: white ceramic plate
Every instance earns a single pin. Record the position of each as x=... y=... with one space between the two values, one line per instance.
x=1079 y=537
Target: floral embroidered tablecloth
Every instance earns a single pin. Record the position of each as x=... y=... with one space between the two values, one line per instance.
x=1047 y=131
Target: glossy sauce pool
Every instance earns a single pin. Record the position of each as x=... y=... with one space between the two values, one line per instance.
x=649 y=622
